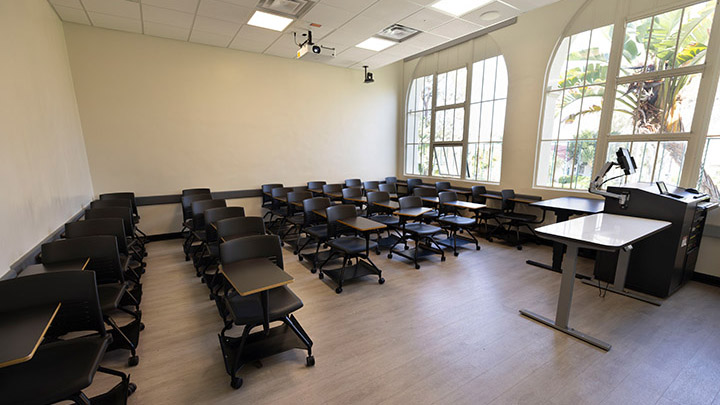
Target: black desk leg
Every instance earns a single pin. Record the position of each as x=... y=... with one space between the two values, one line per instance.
x=265 y=301
x=558 y=250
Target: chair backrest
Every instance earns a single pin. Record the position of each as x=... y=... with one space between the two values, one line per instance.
x=388 y=188
x=332 y=188
x=299 y=188
x=101 y=249
x=76 y=290
x=252 y=247
x=198 y=209
x=377 y=196
x=371 y=185
x=268 y=188
x=391 y=180
x=424 y=192
x=477 y=194
x=114 y=212
x=312 y=204
x=445 y=197
x=507 y=204
x=191 y=191
x=442 y=185
x=111 y=203
x=298 y=196
x=412 y=183
x=237 y=227
x=352 y=192
x=188 y=200
x=279 y=192
x=337 y=212
x=316 y=185
x=121 y=196
x=353 y=183
x=411 y=201
x=102 y=226
x=213 y=215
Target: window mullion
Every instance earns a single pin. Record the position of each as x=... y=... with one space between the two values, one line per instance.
x=466 y=122
x=431 y=152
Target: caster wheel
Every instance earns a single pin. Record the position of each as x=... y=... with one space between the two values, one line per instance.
x=202 y=281
x=133 y=361
x=442 y=259
x=321 y=275
x=381 y=280
x=310 y=361
x=407 y=247
x=477 y=247
x=300 y=258
x=282 y=243
x=338 y=290
x=145 y=254
x=187 y=259
x=519 y=247
x=132 y=387
x=142 y=326
x=456 y=254
x=489 y=239
x=389 y=255
x=313 y=271
x=236 y=382
x=377 y=252
x=417 y=267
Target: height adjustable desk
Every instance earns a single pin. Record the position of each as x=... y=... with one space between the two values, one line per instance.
x=606 y=232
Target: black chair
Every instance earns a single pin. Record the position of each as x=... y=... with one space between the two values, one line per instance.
x=111 y=203
x=333 y=191
x=211 y=250
x=111 y=285
x=390 y=188
x=384 y=216
x=315 y=185
x=353 y=183
x=278 y=209
x=371 y=186
x=349 y=247
x=390 y=180
x=421 y=233
x=191 y=191
x=239 y=227
x=248 y=311
x=411 y=184
x=126 y=215
x=187 y=201
x=128 y=196
x=199 y=234
x=352 y=195
x=453 y=222
x=442 y=186
x=483 y=215
x=60 y=369
x=315 y=228
x=511 y=219
x=267 y=197
x=299 y=188
x=423 y=193
x=295 y=216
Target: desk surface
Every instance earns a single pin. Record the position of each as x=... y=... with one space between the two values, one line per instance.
x=388 y=204
x=465 y=204
x=433 y=200
x=22 y=331
x=49 y=268
x=362 y=224
x=458 y=191
x=413 y=212
x=255 y=275
x=322 y=213
x=315 y=190
x=574 y=204
x=361 y=199
x=603 y=230
x=334 y=195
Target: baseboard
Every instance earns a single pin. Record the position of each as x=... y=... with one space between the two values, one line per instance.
x=165 y=236
x=706 y=279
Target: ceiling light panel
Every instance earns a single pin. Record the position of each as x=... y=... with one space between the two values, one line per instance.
x=269 y=21
x=459 y=7
x=375 y=44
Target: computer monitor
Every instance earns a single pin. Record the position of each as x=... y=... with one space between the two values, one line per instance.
x=662 y=187
x=625 y=161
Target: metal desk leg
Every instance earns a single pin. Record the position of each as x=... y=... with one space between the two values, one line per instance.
x=562 y=316
x=265 y=301
x=558 y=251
x=618 y=286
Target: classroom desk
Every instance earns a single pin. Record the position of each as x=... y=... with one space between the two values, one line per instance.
x=334 y=195
x=564 y=208
x=388 y=204
x=22 y=331
x=465 y=193
x=465 y=205
x=33 y=269
x=256 y=276
x=361 y=199
x=315 y=190
x=363 y=267
x=418 y=251
x=607 y=232
x=431 y=200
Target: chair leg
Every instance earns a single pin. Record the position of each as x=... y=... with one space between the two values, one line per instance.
x=338 y=290
x=133 y=360
x=80 y=399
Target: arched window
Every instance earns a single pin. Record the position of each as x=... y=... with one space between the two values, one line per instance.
x=709 y=179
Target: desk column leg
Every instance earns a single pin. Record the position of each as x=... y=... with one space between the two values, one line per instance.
x=621 y=270
x=265 y=301
x=562 y=316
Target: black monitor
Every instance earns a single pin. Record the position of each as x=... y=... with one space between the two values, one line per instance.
x=625 y=161
x=662 y=187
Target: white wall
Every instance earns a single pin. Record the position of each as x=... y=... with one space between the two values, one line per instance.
x=161 y=115
x=45 y=170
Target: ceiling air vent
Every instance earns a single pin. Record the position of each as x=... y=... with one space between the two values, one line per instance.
x=288 y=8
x=397 y=33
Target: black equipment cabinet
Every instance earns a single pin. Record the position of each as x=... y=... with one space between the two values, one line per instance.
x=662 y=263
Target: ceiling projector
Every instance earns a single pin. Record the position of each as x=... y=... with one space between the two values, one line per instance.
x=311 y=50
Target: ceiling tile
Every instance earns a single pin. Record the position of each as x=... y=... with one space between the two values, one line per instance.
x=119 y=8
x=504 y=12
x=166 y=31
x=340 y=62
x=425 y=41
x=115 y=23
x=187 y=6
x=165 y=16
x=283 y=47
x=425 y=20
x=403 y=50
x=244 y=3
x=380 y=60
x=391 y=10
x=301 y=27
x=527 y=5
x=456 y=28
x=224 y=11
x=213 y=26
x=67 y=3
x=426 y=2
x=258 y=35
x=209 y=38
x=327 y=15
x=356 y=30
x=354 y=6
x=70 y=14
x=356 y=54
x=249 y=46
x=338 y=47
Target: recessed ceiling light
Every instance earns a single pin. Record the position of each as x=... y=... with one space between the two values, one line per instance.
x=375 y=44
x=490 y=16
x=459 y=7
x=269 y=21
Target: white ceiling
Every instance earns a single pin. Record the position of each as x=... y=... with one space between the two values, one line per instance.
x=344 y=24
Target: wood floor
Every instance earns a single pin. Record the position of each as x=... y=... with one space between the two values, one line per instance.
x=447 y=333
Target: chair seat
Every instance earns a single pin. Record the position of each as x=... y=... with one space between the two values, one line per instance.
x=280 y=212
x=110 y=296
x=296 y=219
x=317 y=231
x=457 y=220
x=431 y=214
x=57 y=371
x=514 y=216
x=248 y=310
x=351 y=244
x=422 y=229
x=389 y=220
x=487 y=211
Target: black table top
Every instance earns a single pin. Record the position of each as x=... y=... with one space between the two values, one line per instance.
x=572 y=204
x=362 y=224
x=49 y=268
x=21 y=332
x=388 y=204
x=413 y=212
x=255 y=275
